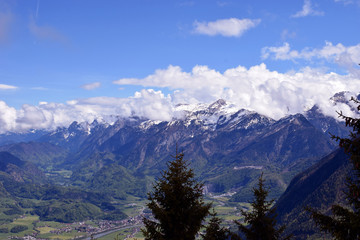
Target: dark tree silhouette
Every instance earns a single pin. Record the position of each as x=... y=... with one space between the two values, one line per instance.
x=261 y=220
x=176 y=203
x=345 y=221
x=214 y=231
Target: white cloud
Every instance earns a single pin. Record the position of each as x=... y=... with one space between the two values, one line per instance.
x=345 y=56
x=257 y=88
x=7 y=118
x=232 y=27
x=307 y=10
x=328 y=52
x=151 y=104
x=279 y=53
x=146 y=103
x=7 y=87
x=91 y=86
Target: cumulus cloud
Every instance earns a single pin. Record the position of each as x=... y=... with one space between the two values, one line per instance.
x=279 y=53
x=257 y=88
x=146 y=103
x=91 y=86
x=232 y=27
x=7 y=118
x=7 y=87
x=345 y=56
x=307 y=10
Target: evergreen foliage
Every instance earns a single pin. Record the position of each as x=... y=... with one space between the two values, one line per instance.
x=68 y=211
x=214 y=231
x=261 y=220
x=18 y=228
x=345 y=221
x=15 y=210
x=176 y=203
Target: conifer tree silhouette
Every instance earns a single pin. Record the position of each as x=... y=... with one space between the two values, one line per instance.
x=261 y=219
x=176 y=203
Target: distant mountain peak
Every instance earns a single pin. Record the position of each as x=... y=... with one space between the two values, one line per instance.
x=206 y=115
x=217 y=104
x=341 y=97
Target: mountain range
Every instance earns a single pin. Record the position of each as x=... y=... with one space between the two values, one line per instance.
x=220 y=142
x=228 y=148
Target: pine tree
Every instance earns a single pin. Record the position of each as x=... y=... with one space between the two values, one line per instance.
x=176 y=203
x=261 y=220
x=214 y=231
x=345 y=221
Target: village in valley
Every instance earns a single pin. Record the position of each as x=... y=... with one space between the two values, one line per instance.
x=91 y=229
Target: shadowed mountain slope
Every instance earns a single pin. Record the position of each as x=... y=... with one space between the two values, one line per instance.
x=320 y=187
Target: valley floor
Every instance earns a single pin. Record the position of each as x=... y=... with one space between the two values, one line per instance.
x=109 y=230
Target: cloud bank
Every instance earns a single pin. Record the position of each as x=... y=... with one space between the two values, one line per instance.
x=146 y=103
x=345 y=56
x=328 y=52
x=257 y=88
x=232 y=27
x=268 y=92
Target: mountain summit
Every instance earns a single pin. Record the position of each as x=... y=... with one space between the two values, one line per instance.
x=227 y=147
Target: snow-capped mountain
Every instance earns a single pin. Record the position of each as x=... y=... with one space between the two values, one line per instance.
x=219 y=140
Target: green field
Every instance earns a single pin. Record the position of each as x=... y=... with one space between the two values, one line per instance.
x=122 y=234
x=228 y=211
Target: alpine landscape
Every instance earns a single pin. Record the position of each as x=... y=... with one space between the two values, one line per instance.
x=88 y=138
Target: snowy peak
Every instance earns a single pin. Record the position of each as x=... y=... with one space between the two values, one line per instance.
x=192 y=120
x=206 y=115
x=216 y=106
x=244 y=120
x=344 y=98
x=341 y=97
x=148 y=124
x=222 y=114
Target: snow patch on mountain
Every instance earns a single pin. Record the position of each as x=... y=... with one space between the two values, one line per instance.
x=148 y=124
x=206 y=115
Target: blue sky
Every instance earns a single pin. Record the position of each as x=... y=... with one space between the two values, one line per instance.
x=84 y=56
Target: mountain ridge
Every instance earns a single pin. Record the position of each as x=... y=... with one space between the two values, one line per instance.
x=319 y=186
x=217 y=138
